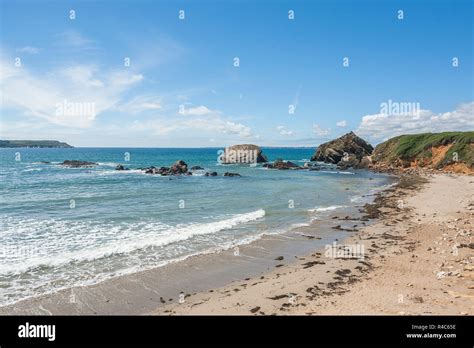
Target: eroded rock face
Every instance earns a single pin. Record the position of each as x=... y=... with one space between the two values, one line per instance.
x=346 y=151
x=244 y=153
x=77 y=164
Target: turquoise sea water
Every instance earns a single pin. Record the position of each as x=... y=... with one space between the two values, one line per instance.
x=62 y=227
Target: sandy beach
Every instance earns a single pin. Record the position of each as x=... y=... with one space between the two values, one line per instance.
x=418 y=259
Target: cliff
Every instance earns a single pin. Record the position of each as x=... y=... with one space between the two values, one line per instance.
x=448 y=151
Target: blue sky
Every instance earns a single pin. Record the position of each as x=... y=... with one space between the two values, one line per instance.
x=182 y=88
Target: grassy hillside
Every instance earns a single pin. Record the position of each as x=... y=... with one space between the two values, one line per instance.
x=32 y=143
x=428 y=149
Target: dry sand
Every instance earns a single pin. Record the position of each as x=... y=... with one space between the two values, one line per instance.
x=418 y=259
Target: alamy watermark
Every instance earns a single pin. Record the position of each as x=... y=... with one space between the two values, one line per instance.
x=344 y=251
x=393 y=108
x=237 y=156
x=76 y=109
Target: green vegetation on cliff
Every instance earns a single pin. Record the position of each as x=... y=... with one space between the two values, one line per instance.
x=436 y=149
x=33 y=143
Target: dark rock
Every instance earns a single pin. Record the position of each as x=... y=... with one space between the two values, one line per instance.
x=255 y=310
x=280 y=164
x=244 y=153
x=120 y=167
x=78 y=164
x=180 y=167
x=346 y=151
x=231 y=174
x=210 y=174
x=197 y=168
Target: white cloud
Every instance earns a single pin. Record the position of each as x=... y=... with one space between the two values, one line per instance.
x=320 y=132
x=78 y=86
x=341 y=123
x=197 y=111
x=381 y=127
x=29 y=50
x=216 y=124
x=283 y=131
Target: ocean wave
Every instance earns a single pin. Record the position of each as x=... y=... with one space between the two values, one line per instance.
x=17 y=293
x=65 y=242
x=329 y=208
x=335 y=172
x=118 y=172
x=108 y=164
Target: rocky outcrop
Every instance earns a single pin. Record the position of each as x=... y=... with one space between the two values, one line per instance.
x=77 y=164
x=346 y=151
x=181 y=168
x=244 y=153
x=178 y=168
x=280 y=164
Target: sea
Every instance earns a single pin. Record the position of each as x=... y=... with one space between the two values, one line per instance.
x=65 y=227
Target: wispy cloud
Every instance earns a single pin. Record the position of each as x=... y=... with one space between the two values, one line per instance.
x=62 y=95
x=197 y=111
x=141 y=103
x=74 y=39
x=342 y=123
x=29 y=50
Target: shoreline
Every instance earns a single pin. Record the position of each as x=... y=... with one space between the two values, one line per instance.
x=418 y=263
x=264 y=277
x=142 y=291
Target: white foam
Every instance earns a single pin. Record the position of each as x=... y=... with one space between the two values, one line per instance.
x=329 y=208
x=64 y=242
x=335 y=172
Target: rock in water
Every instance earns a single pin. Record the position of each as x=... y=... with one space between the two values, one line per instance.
x=180 y=167
x=77 y=164
x=244 y=153
x=120 y=167
x=231 y=174
x=346 y=151
x=280 y=164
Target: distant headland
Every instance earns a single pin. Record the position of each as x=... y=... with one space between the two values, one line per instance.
x=34 y=143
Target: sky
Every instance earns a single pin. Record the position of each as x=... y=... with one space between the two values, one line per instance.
x=212 y=73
